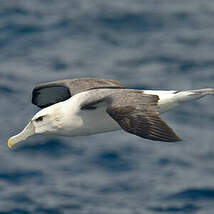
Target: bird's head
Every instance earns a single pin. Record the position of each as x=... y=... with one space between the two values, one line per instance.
x=46 y=121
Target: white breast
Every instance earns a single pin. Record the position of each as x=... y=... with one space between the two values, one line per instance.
x=97 y=121
x=79 y=122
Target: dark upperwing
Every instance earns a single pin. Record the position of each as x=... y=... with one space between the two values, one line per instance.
x=135 y=112
x=46 y=94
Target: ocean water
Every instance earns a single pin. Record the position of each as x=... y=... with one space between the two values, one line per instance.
x=145 y=44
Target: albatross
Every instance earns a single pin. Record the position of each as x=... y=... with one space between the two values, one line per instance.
x=87 y=106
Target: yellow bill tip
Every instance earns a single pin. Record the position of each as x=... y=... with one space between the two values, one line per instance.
x=9 y=143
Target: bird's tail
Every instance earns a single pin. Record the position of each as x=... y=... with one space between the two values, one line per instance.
x=176 y=98
x=189 y=95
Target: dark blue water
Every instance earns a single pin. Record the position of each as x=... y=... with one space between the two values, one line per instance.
x=142 y=43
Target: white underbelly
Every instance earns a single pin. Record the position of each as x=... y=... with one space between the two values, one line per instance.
x=95 y=121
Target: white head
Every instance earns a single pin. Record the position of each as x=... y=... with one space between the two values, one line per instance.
x=46 y=121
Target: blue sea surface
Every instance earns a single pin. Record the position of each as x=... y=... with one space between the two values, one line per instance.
x=145 y=44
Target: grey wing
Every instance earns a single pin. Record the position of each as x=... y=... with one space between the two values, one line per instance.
x=47 y=94
x=137 y=113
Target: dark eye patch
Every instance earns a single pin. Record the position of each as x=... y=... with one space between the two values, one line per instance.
x=39 y=119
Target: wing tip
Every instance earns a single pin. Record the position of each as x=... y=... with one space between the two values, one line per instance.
x=174 y=139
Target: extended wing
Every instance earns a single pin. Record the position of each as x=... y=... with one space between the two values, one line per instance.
x=135 y=112
x=47 y=94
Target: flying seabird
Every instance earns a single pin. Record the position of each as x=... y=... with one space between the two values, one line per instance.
x=87 y=106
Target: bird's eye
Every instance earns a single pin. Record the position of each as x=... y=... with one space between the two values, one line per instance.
x=39 y=119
